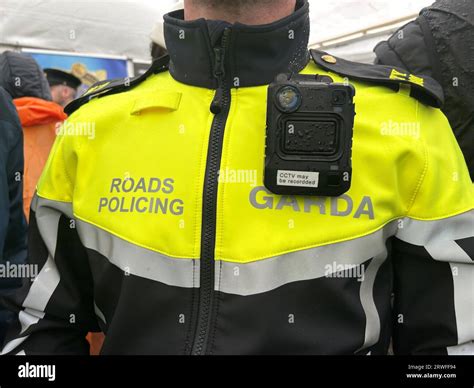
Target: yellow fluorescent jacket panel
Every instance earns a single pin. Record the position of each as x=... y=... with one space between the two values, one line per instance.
x=137 y=171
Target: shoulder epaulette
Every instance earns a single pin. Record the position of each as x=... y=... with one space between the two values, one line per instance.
x=424 y=89
x=106 y=88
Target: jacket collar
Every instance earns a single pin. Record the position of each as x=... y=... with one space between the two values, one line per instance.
x=254 y=56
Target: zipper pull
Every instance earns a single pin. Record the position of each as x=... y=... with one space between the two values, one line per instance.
x=216 y=105
x=219 y=74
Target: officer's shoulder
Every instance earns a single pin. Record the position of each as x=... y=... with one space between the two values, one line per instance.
x=109 y=87
x=424 y=89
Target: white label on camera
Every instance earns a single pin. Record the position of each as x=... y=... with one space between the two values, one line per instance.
x=297 y=178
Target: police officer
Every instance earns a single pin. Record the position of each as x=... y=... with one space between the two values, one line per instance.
x=63 y=86
x=242 y=270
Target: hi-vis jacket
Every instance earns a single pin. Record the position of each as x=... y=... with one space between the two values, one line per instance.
x=152 y=224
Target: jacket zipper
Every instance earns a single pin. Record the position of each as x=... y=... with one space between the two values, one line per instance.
x=220 y=108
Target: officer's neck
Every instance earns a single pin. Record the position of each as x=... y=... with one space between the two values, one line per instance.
x=250 y=55
x=256 y=13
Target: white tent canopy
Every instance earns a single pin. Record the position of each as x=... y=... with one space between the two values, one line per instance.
x=122 y=27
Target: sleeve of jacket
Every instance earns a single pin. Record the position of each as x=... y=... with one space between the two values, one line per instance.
x=55 y=309
x=433 y=250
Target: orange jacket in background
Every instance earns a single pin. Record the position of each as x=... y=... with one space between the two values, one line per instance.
x=39 y=119
x=96 y=340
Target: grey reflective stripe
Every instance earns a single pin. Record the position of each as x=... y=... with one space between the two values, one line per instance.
x=448 y=251
x=138 y=261
x=48 y=214
x=466 y=349
x=62 y=207
x=29 y=317
x=47 y=280
x=99 y=314
x=42 y=287
x=463 y=279
x=13 y=345
x=34 y=203
x=424 y=233
x=269 y=274
x=372 y=323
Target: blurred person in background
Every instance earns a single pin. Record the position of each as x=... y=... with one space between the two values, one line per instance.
x=63 y=86
x=12 y=220
x=40 y=117
x=440 y=44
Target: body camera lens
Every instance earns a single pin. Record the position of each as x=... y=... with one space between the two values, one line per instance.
x=288 y=99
